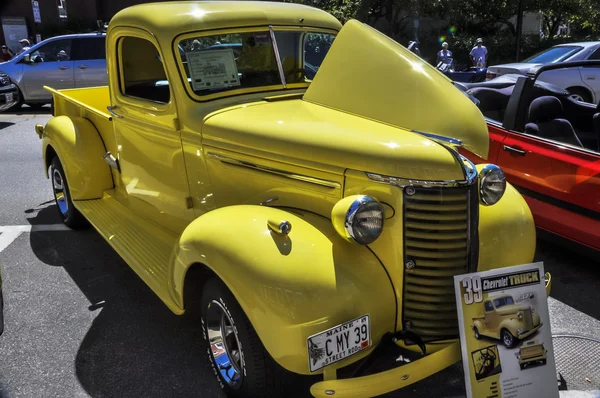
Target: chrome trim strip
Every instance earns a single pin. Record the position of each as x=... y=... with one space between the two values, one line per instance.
x=277 y=57
x=279 y=172
x=469 y=171
x=440 y=138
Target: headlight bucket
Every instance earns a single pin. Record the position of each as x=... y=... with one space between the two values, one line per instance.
x=520 y=316
x=358 y=219
x=492 y=184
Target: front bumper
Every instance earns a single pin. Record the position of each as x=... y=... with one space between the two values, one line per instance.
x=530 y=332
x=10 y=89
x=390 y=380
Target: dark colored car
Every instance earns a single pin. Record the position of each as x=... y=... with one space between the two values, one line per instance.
x=9 y=93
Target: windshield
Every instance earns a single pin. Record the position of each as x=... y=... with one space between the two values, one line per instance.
x=500 y=302
x=247 y=61
x=553 y=54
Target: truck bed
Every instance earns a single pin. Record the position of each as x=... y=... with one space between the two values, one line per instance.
x=88 y=103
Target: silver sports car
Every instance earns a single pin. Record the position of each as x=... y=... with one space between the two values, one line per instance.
x=582 y=83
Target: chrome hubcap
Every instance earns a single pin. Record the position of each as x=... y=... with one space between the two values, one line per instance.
x=507 y=339
x=224 y=345
x=577 y=97
x=60 y=194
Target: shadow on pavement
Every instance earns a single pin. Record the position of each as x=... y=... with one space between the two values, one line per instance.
x=575 y=285
x=135 y=346
x=4 y=125
x=28 y=110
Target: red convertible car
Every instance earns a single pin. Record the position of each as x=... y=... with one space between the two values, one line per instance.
x=548 y=145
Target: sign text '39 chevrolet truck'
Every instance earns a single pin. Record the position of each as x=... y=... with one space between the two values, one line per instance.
x=307 y=173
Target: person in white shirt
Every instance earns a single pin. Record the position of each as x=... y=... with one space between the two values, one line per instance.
x=479 y=54
x=25 y=45
x=444 y=55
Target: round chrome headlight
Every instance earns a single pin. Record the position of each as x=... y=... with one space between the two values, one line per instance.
x=492 y=184
x=364 y=220
x=520 y=316
x=358 y=218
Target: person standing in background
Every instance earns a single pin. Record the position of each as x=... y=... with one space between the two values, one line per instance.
x=6 y=54
x=444 y=55
x=479 y=54
x=25 y=45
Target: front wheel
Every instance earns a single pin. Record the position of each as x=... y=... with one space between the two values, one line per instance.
x=240 y=362
x=62 y=197
x=508 y=339
x=477 y=335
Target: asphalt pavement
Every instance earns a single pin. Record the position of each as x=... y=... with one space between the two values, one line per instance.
x=80 y=323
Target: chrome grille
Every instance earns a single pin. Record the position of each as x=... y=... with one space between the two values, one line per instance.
x=527 y=319
x=440 y=241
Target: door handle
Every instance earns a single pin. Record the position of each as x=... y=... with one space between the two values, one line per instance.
x=590 y=77
x=113 y=113
x=63 y=67
x=83 y=66
x=515 y=151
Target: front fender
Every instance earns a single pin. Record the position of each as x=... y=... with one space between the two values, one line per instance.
x=80 y=150
x=506 y=231
x=512 y=325
x=290 y=287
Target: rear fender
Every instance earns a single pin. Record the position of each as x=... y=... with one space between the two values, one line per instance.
x=293 y=286
x=479 y=325
x=80 y=149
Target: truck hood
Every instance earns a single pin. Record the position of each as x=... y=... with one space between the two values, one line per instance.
x=511 y=309
x=305 y=134
x=366 y=73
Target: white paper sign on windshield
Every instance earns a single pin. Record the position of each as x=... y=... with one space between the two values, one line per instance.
x=212 y=69
x=505 y=333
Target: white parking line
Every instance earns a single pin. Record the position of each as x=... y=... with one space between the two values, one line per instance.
x=9 y=233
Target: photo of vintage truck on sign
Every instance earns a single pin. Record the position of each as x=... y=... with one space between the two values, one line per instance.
x=505 y=320
x=532 y=352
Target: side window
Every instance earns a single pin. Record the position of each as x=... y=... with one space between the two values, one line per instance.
x=595 y=55
x=488 y=306
x=55 y=51
x=85 y=49
x=142 y=72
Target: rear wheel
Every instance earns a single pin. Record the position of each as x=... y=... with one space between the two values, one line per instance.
x=477 y=335
x=240 y=362
x=580 y=94
x=62 y=197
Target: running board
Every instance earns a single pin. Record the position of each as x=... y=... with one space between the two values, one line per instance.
x=147 y=248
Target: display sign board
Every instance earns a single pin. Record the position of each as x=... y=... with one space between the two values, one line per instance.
x=37 y=17
x=212 y=69
x=505 y=333
x=14 y=29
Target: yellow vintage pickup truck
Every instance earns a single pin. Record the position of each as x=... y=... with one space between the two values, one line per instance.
x=307 y=173
x=506 y=320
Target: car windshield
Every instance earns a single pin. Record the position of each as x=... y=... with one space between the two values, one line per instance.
x=553 y=54
x=501 y=302
x=238 y=61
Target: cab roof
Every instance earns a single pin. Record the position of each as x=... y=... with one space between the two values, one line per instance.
x=169 y=19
